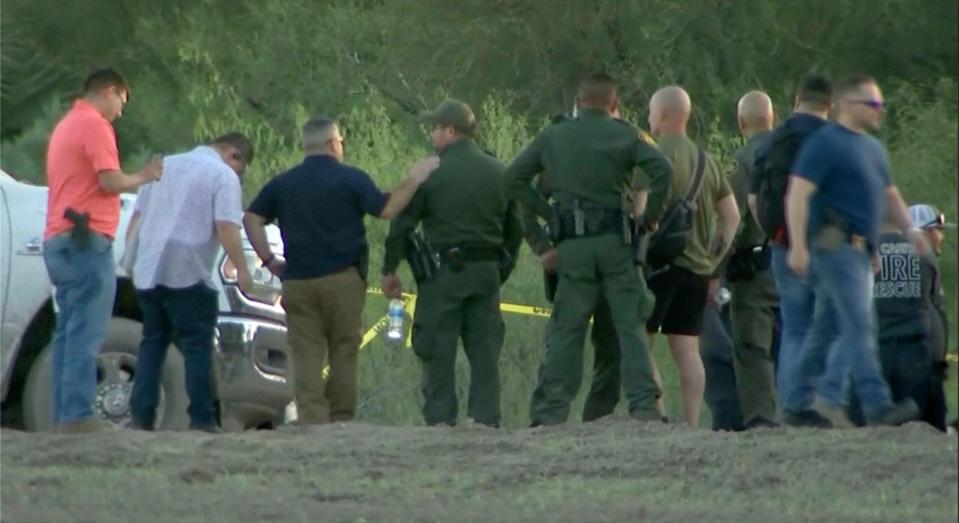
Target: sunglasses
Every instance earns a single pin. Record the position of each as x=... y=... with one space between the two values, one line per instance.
x=875 y=104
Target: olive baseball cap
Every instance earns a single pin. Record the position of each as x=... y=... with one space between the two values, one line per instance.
x=454 y=113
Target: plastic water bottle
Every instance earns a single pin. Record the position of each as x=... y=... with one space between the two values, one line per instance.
x=397 y=317
x=723 y=296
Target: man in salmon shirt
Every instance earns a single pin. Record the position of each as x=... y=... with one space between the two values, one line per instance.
x=83 y=212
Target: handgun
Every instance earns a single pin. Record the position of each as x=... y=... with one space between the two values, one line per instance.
x=81 y=227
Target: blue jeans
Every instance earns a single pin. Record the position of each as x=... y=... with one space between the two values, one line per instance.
x=810 y=371
x=796 y=301
x=186 y=317
x=85 y=281
x=842 y=340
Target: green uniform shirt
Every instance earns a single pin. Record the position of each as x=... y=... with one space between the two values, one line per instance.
x=683 y=154
x=750 y=233
x=462 y=203
x=535 y=234
x=593 y=158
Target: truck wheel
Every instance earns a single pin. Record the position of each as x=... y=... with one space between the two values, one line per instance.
x=116 y=371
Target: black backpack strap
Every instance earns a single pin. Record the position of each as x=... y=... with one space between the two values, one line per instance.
x=697 y=184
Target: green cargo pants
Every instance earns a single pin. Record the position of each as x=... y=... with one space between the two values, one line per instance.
x=604 y=392
x=453 y=306
x=753 y=316
x=591 y=269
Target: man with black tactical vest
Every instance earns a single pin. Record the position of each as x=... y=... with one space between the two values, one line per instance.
x=774 y=159
x=474 y=234
x=604 y=393
x=590 y=161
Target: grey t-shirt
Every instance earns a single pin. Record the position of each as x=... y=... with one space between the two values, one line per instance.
x=178 y=215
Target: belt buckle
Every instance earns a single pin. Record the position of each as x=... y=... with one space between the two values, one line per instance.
x=858 y=242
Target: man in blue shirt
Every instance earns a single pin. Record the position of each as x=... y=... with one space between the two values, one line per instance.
x=835 y=203
x=320 y=205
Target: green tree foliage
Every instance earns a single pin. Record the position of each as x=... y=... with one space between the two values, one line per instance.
x=199 y=68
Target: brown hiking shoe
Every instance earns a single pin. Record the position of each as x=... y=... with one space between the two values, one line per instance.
x=86 y=426
x=903 y=411
x=835 y=414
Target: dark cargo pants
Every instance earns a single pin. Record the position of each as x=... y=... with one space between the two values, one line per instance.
x=591 y=269
x=460 y=305
x=753 y=309
x=604 y=392
x=716 y=349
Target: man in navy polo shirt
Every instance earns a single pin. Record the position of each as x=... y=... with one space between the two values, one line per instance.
x=320 y=205
x=837 y=194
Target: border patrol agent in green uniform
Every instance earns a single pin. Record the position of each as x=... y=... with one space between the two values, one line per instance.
x=472 y=232
x=604 y=393
x=589 y=163
x=754 y=297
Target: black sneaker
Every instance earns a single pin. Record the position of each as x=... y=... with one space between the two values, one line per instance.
x=903 y=411
x=805 y=418
x=140 y=426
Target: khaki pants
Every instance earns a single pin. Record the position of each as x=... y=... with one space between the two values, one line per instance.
x=325 y=315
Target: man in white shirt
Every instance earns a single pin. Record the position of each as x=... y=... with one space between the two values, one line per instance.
x=183 y=219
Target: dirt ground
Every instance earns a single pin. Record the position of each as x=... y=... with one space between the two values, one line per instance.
x=612 y=470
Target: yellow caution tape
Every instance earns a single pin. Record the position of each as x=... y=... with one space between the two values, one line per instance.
x=529 y=310
x=515 y=308
x=543 y=312
x=410 y=305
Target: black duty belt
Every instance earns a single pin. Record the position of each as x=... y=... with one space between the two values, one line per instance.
x=594 y=222
x=455 y=257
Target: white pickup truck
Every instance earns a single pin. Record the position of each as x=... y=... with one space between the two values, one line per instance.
x=252 y=355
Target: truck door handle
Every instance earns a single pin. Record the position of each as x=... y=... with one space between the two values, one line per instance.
x=33 y=247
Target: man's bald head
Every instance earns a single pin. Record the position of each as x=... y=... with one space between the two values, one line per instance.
x=672 y=98
x=669 y=110
x=755 y=112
